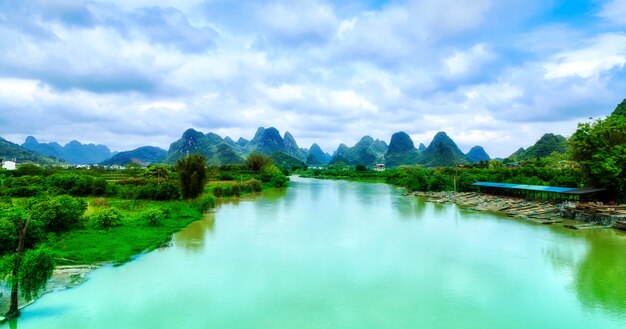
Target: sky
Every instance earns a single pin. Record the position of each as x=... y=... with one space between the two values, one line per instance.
x=496 y=73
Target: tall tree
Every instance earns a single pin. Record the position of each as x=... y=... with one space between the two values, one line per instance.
x=192 y=174
x=29 y=269
x=600 y=148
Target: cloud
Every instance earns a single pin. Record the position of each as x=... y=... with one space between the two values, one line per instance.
x=614 y=11
x=131 y=73
x=603 y=53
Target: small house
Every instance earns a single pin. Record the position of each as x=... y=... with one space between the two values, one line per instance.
x=9 y=165
x=379 y=167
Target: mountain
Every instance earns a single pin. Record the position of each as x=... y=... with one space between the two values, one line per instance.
x=401 y=151
x=477 y=154
x=366 y=152
x=286 y=162
x=292 y=148
x=545 y=146
x=242 y=142
x=10 y=151
x=266 y=141
x=48 y=149
x=422 y=147
x=212 y=146
x=443 y=152
x=73 y=152
x=516 y=154
x=316 y=156
x=144 y=156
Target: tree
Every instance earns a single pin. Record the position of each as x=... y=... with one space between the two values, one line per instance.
x=29 y=269
x=60 y=213
x=360 y=167
x=256 y=161
x=192 y=174
x=600 y=148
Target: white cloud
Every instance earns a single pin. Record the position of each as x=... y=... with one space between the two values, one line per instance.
x=614 y=11
x=464 y=63
x=603 y=53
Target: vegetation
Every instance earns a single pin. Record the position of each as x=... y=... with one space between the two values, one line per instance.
x=71 y=216
x=192 y=174
x=544 y=147
x=143 y=155
x=600 y=149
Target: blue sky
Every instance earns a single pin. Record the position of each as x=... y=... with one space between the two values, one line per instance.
x=132 y=73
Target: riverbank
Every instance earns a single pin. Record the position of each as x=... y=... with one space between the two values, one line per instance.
x=590 y=215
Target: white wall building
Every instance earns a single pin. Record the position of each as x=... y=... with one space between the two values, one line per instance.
x=9 y=165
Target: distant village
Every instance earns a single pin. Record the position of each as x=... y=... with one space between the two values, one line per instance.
x=14 y=164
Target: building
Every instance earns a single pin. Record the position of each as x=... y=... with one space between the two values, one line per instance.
x=379 y=167
x=9 y=165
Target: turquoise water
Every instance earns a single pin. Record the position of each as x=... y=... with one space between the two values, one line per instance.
x=332 y=254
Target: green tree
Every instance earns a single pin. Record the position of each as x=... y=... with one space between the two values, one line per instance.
x=192 y=174
x=256 y=161
x=360 y=167
x=26 y=268
x=600 y=149
x=60 y=213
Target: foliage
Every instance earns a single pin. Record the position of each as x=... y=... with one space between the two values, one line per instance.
x=206 y=202
x=360 y=167
x=600 y=149
x=76 y=185
x=192 y=174
x=36 y=268
x=257 y=161
x=104 y=218
x=154 y=216
x=286 y=162
x=59 y=213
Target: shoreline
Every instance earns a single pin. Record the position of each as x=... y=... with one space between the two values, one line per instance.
x=589 y=215
x=63 y=277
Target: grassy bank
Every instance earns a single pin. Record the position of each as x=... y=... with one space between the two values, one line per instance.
x=132 y=236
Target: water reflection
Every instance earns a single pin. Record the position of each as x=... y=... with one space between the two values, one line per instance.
x=601 y=276
x=193 y=237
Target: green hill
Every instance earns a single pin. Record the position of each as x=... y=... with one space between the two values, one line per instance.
x=443 y=152
x=213 y=147
x=144 y=156
x=10 y=151
x=366 y=152
x=477 y=154
x=545 y=146
x=401 y=151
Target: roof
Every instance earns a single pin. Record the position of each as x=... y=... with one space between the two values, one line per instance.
x=540 y=188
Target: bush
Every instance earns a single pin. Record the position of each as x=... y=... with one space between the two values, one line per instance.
x=100 y=203
x=59 y=213
x=205 y=203
x=105 y=218
x=153 y=216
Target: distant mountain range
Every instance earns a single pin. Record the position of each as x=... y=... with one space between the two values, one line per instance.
x=442 y=151
x=12 y=151
x=73 y=152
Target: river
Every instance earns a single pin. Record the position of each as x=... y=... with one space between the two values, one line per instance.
x=335 y=254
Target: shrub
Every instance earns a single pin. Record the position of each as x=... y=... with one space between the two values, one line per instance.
x=153 y=216
x=105 y=218
x=205 y=203
x=59 y=213
x=100 y=203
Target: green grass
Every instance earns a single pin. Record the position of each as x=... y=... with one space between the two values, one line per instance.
x=120 y=243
